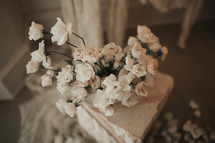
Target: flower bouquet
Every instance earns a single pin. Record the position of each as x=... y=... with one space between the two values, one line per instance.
x=111 y=75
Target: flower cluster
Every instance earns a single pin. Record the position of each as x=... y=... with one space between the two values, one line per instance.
x=114 y=75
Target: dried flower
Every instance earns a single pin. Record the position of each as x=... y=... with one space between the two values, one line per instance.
x=35 y=31
x=141 y=89
x=60 y=31
x=32 y=67
x=46 y=80
x=84 y=72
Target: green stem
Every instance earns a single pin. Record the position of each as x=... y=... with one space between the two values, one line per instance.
x=63 y=54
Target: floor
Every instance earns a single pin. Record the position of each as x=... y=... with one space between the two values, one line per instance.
x=193 y=70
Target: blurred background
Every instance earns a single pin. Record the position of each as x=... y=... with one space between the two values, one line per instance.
x=186 y=27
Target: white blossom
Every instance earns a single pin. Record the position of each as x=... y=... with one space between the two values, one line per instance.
x=193 y=104
x=46 y=80
x=79 y=93
x=197 y=113
x=137 y=50
x=39 y=55
x=32 y=67
x=140 y=89
x=60 y=105
x=47 y=62
x=131 y=41
x=155 y=47
x=164 y=51
x=95 y=82
x=66 y=74
x=50 y=72
x=112 y=85
x=60 y=31
x=152 y=66
x=139 y=70
x=128 y=63
x=111 y=49
x=70 y=109
x=92 y=55
x=35 y=31
x=62 y=86
x=84 y=72
x=145 y=35
x=66 y=107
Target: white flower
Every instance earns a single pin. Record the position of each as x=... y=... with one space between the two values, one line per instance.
x=129 y=63
x=95 y=82
x=139 y=70
x=47 y=62
x=66 y=107
x=79 y=53
x=62 y=86
x=122 y=72
x=111 y=49
x=197 y=113
x=66 y=74
x=84 y=72
x=145 y=35
x=79 y=84
x=155 y=47
x=152 y=66
x=70 y=109
x=35 y=31
x=92 y=55
x=51 y=72
x=60 y=105
x=126 y=79
x=168 y=116
x=140 y=89
x=149 y=80
x=39 y=55
x=137 y=50
x=32 y=67
x=79 y=93
x=108 y=110
x=46 y=80
x=112 y=85
x=193 y=104
x=60 y=31
x=172 y=125
x=164 y=51
x=131 y=41
x=127 y=49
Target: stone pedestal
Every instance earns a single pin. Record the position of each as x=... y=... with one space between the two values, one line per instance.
x=127 y=124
